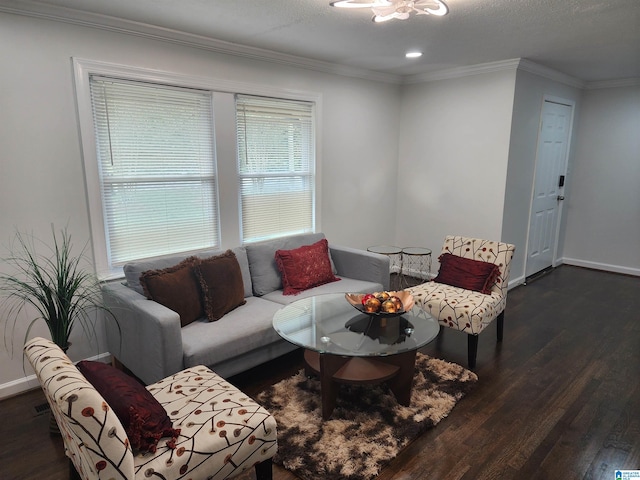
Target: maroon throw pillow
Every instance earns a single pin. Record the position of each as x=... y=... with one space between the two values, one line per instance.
x=177 y=288
x=305 y=267
x=467 y=273
x=221 y=282
x=141 y=415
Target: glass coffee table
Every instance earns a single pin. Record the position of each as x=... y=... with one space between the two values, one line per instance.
x=344 y=345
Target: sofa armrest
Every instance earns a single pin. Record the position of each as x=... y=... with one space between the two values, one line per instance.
x=361 y=265
x=149 y=342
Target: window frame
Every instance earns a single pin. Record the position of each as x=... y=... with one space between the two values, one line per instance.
x=144 y=198
x=306 y=118
x=223 y=92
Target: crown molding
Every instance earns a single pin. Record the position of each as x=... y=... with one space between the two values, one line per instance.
x=143 y=30
x=511 y=64
x=624 y=82
x=541 y=70
x=550 y=73
x=465 y=71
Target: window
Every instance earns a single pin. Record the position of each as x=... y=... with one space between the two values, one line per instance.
x=163 y=177
x=156 y=162
x=276 y=165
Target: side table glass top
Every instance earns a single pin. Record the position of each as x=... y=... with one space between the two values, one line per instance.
x=416 y=251
x=385 y=249
x=329 y=324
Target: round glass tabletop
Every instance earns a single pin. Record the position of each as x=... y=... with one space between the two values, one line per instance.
x=416 y=251
x=329 y=324
x=385 y=250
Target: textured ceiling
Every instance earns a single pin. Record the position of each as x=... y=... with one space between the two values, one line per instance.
x=590 y=40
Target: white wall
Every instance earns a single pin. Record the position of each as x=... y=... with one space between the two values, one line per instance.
x=41 y=176
x=603 y=212
x=527 y=106
x=454 y=146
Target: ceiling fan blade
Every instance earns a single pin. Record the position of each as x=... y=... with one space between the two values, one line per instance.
x=384 y=11
x=359 y=3
x=432 y=7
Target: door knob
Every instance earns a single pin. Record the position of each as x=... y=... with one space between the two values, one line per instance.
x=560 y=197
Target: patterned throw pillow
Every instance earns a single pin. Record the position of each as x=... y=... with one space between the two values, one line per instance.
x=467 y=273
x=141 y=415
x=305 y=267
x=177 y=288
x=221 y=283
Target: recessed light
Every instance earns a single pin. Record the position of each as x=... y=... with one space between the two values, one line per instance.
x=413 y=54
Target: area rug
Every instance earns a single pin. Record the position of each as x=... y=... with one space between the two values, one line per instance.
x=367 y=429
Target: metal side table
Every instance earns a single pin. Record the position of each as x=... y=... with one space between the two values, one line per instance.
x=416 y=263
x=394 y=254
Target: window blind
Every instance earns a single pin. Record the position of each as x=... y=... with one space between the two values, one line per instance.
x=276 y=166
x=155 y=152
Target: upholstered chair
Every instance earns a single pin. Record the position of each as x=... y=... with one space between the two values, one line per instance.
x=222 y=431
x=464 y=309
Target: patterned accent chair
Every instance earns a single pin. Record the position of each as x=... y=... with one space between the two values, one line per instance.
x=223 y=432
x=466 y=310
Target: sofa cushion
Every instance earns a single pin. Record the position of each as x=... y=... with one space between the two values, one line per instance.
x=467 y=273
x=305 y=267
x=243 y=261
x=177 y=288
x=262 y=262
x=221 y=283
x=242 y=330
x=141 y=415
x=133 y=270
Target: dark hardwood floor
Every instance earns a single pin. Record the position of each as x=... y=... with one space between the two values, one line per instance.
x=558 y=399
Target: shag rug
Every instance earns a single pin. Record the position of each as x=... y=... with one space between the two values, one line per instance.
x=367 y=429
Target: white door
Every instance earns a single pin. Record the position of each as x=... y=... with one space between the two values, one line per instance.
x=551 y=166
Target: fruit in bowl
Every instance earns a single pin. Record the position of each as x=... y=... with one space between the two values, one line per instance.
x=388 y=302
x=371 y=304
x=397 y=302
x=381 y=302
x=389 y=306
x=382 y=296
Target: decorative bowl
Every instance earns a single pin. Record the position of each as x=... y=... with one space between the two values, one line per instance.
x=355 y=299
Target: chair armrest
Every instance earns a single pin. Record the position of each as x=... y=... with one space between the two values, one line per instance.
x=361 y=265
x=149 y=342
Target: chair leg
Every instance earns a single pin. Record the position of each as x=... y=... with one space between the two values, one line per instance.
x=472 y=347
x=73 y=473
x=500 y=323
x=439 y=337
x=264 y=470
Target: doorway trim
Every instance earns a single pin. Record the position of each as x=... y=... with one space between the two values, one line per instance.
x=571 y=104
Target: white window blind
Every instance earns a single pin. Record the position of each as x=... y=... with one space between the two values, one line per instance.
x=155 y=152
x=276 y=166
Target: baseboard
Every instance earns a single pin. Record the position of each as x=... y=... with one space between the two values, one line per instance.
x=16 y=387
x=601 y=266
x=514 y=282
x=30 y=382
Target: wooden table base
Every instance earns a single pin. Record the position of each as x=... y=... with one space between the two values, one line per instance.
x=333 y=370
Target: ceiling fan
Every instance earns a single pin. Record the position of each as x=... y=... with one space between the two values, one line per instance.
x=384 y=10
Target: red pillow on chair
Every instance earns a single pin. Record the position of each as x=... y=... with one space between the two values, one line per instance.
x=141 y=415
x=467 y=273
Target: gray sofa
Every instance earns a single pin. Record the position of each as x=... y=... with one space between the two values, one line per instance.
x=152 y=344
